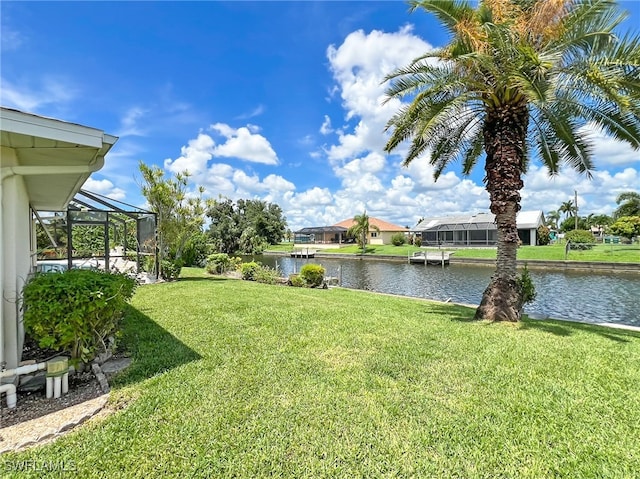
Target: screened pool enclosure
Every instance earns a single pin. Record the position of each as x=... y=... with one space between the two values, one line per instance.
x=97 y=232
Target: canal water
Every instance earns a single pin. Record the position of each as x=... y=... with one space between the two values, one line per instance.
x=582 y=296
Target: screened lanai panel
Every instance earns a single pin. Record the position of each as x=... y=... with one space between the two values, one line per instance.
x=147 y=233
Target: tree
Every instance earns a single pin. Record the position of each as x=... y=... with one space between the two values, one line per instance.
x=519 y=78
x=553 y=217
x=629 y=202
x=247 y=226
x=599 y=222
x=569 y=224
x=627 y=226
x=360 y=229
x=180 y=215
x=568 y=209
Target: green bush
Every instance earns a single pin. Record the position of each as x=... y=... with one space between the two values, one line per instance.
x=75 y=311
x=544 y=235
x=580 y=239
x=197 y=250
x=296 y=281
x=526 y=286
x=398 y=239
x=417 y=241
x=218 y=263
x=170 y=269
x=248 y=270
x=312 y=274
x=266 y=275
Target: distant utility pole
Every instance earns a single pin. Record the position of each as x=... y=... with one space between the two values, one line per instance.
x=575 y=200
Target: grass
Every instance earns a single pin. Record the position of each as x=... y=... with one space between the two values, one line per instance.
x=238 y=379
x=555 y=252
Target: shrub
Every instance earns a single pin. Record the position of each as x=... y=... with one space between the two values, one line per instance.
x=626 y=226
x=296 y=281
x=526 y=286
x=248 y=270
x=544 y=235
x=266 y=275
x=398 y=239
x=218 y=263
x=580 y=239
x=312 y=274
x=417 y=241
x=170 y=269
x=75 y=311
x=197 y=250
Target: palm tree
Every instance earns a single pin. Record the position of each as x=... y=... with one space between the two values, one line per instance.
x=360 y=229
x=519 y=78
x=567 y=208
x=631 y=205
x=553 y=217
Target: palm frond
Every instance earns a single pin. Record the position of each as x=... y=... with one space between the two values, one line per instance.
x=454 y=142
x=473 y=152
x=564 y=135
x=449 y=12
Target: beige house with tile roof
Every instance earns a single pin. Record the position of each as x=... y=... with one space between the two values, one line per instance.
x=387 y=230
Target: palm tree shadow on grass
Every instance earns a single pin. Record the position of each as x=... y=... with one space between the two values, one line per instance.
x=556 y=327
x=454 y=312
x=152 y=348
x=567 y=328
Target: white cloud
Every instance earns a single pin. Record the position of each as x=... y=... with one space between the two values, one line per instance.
x=49 y=91
x=314 y=197
x=129 y=124
x=325 y=129
x=609 y=151
x=594 y=196
x=194 y=156
x=10 y=39
x=257 y=111
x=105 y=188
x=245 y=144
x=359 y=66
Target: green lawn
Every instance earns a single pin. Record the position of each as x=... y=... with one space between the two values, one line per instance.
x=238 y=379
x=556 y=252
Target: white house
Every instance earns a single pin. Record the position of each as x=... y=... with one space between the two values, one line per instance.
x=44 y=162
x=476 y=230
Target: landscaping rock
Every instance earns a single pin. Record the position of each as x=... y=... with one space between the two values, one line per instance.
x=115 y=365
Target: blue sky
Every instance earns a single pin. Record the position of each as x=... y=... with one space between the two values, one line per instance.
x=279 y=101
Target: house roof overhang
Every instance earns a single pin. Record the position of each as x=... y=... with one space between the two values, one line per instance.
x=54 y=157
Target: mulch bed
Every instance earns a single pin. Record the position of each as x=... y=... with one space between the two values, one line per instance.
x=32 y=405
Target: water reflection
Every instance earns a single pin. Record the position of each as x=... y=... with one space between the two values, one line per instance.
x=592 y=297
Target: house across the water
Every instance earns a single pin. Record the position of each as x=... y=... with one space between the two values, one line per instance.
x=337 y=234
x=475 y=230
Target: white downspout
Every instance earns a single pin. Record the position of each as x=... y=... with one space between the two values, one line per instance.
x=12 y=397
x=20 y=370
x=10 y=388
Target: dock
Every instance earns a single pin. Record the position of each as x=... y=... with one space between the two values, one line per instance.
x=431 y=257
x=303 y=253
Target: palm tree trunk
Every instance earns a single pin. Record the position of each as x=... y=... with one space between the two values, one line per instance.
x=504 y=135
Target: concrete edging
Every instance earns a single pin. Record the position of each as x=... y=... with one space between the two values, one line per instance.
x=594 y=266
